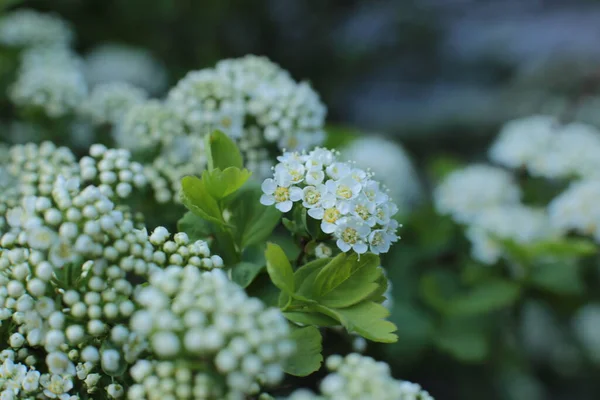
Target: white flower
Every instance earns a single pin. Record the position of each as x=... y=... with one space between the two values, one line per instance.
x=351 y=233
x=56 y=386
x=31 y=381
x=316 y=199
x=465 y=193
x=522 y=141
x=27 y=28
x=577 y=208
x=380 y=241
x=345 y=190
x=280 y=193
x=521 y=224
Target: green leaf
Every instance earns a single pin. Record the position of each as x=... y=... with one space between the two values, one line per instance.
x=195 y=226
x=307 y=358
x=342 y=268
x=561 y=277
x=197 y=199
x=244 y=273
x=464 y=340
x=356 y=288
x=437 y=287
x=222 y=183
x=222 y=152
x=486 y=297
x=253 y=222
x=310 y=318
x=366 y=319
x=279 y=268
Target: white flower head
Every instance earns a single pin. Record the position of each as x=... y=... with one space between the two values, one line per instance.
x=280 y=193
x=351 y=233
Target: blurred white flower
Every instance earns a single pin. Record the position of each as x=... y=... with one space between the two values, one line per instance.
x=466 y=192
x=390 y=165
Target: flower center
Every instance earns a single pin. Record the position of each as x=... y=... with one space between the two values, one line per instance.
x=331 y=215
x=344 y=191
x=350 y=236
x=313 y=196
x=296 y=175
x=380 y=213
x=377 y=239
x=226 y=122
x=362 y=211
x=281 y=194
x=370 y=194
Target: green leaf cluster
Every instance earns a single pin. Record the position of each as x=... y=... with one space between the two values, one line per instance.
x=346 y=290
x=224 y=205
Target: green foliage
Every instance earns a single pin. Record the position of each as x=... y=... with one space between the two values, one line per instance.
x=195 y=227
x=346 y=290
x=197 y=198
x=254 y=223
x=222 y=152
x=222 y=183
x=279 y=268
x=486 y=297
x=307 y=358
x=244 y=273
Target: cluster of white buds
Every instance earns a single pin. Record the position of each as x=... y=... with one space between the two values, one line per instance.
x=180 y=250
x=28 y=28
x=466 y=192
x=350 y=205
x=250 y=96
x=184 y=155
x=33 y=169
x=113 y=171
x=122 y=63
x=516 y=222
x=36 y=167
x=204 y=325
x=50 y=81
x=109 y=102
x=64 y=285
x=578 y=209
x=148 y=126
x=357 y=377
x=546 y=148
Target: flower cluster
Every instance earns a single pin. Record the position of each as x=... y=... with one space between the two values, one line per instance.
x=577 y=208
x=466 y=192
x=66 y=287
x=108 y=102
x=200 y=324
x=249 y=96
x=515 y=222
x=32 y=170
x=28 y=28
x=121 y=63
x=361 y=377
x=49 y=80
x=390 y=163
x=147 y=126
x=350 y=205
x=548 y=149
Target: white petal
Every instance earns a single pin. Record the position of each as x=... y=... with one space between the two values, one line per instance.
x=267 y=200
x=343 y=245
x=360 y=248
x=269 y=186
x=296 y=193
x=316 y=213
x=328 y=227
x=284 y=206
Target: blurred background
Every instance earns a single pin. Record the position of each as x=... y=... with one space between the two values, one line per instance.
x=440 y=74
x=441 y=77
